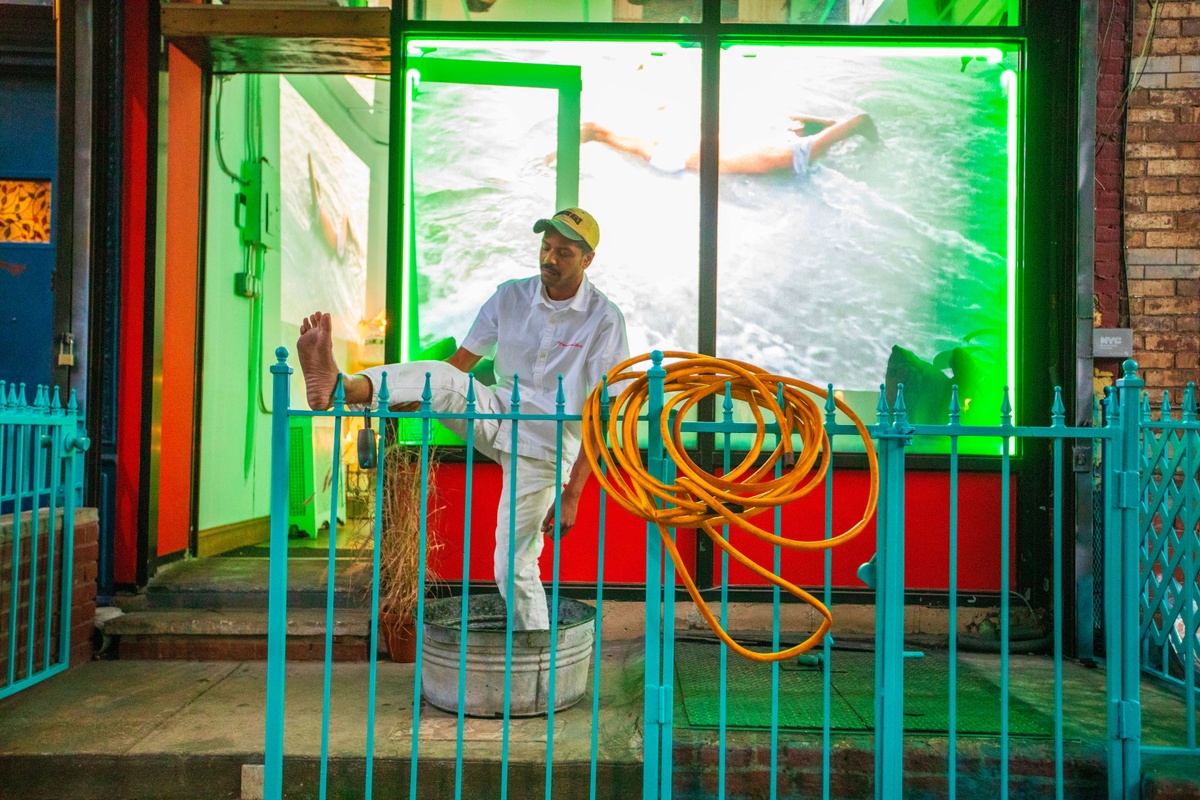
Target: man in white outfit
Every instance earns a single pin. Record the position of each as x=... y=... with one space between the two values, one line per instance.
x=554 y=324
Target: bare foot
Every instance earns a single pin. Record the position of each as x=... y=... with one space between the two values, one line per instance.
x=315 y=348
x=866 y=129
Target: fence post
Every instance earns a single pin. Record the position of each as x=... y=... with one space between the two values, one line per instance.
x=652 y=702
x=889 y=602
x=277 y=598
x=1122 y=594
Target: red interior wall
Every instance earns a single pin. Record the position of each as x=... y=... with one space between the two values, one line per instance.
x=131 y=376
x=624 y=541
x=927 y=544
x=927 y=534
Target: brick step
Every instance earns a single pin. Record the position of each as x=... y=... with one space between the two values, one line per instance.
x=178 y=776
x=234 y=634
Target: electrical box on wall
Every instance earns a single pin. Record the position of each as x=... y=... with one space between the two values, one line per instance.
x=256 y=209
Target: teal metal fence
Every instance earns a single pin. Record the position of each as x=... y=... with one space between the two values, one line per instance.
x=40 y=487
x=1169 y=554
x=1150 y=593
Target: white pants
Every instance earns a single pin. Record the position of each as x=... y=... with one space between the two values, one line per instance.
x=534 y=483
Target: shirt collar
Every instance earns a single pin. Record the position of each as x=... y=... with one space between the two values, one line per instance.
x=578 y=302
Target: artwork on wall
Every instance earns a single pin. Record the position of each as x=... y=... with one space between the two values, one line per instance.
x=326 y=190
x=25 y=211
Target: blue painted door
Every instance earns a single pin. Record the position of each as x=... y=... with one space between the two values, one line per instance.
x=28 y=155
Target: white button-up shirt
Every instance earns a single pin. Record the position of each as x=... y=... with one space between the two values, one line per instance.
x=537 y=342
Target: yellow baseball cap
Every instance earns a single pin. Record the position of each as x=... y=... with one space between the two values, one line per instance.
x=573 y=223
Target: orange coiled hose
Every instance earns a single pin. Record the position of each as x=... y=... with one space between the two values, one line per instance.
x=701 y=500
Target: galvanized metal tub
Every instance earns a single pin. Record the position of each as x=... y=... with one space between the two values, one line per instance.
x=484 y=694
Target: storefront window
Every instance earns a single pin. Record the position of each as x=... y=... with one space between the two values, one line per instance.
x=865 y=221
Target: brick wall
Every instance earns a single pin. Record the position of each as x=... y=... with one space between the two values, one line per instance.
x=1162 y=195
x=83 y=608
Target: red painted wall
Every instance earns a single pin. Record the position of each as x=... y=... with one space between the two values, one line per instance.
x=131 y=378
x=927 y=544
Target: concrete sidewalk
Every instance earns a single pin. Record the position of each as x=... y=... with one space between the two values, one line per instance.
x=184 y=730
x=176 y=729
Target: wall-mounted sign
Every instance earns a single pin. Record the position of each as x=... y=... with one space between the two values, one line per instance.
x=1112 y=343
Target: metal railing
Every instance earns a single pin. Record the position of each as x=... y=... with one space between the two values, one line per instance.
x=1169 y=552
x=1127 y=550
x=40 y=488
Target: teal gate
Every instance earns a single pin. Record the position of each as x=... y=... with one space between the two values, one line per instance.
x=1150 y=574
x=40 y=444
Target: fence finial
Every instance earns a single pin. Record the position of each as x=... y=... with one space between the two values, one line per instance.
x=881 y=407
x=516 y=392
x=21 y=401
x=1058 y=411
x=470 y=393
x=727 y=404
x=1112 y=409
x=72 y=404
x=560 y=399
x=1189 y=402
x=901 y=408
x=3 y=395
x=1006 y=409
x=1129 y=368
x=281 y=354
x=955 y=406
x=40 y=400
x=427 y=393
x=56 y=402
x=383 y=394
x=605 y=401
x=339 y=393
x=830 y=405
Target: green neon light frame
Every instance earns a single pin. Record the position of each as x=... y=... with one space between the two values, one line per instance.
x=565 y=79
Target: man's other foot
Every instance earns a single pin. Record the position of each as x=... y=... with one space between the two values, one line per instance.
x=315 y=348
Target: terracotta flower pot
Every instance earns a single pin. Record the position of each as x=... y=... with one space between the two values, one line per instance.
x=399 y=633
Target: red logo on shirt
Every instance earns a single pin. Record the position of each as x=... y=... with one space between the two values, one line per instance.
x=561 y=343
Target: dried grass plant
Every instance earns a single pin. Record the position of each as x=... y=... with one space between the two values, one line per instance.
x=400 y=531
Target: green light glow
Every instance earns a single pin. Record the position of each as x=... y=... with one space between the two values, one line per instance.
x=993 y=55
x=1009 y=81
x=408 y=299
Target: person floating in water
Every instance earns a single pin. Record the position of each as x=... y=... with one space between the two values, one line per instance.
x=800 y=141
x=338 y=235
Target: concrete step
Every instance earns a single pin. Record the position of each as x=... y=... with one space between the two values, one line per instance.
x=218 y=583
x=233 y=634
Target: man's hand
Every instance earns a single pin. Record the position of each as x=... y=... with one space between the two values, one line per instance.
x=569 y=506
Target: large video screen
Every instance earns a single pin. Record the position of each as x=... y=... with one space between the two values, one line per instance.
x=866 y=219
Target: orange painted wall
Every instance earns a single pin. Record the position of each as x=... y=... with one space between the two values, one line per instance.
x=184 y=132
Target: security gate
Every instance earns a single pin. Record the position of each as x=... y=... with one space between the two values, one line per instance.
x=39 y=475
